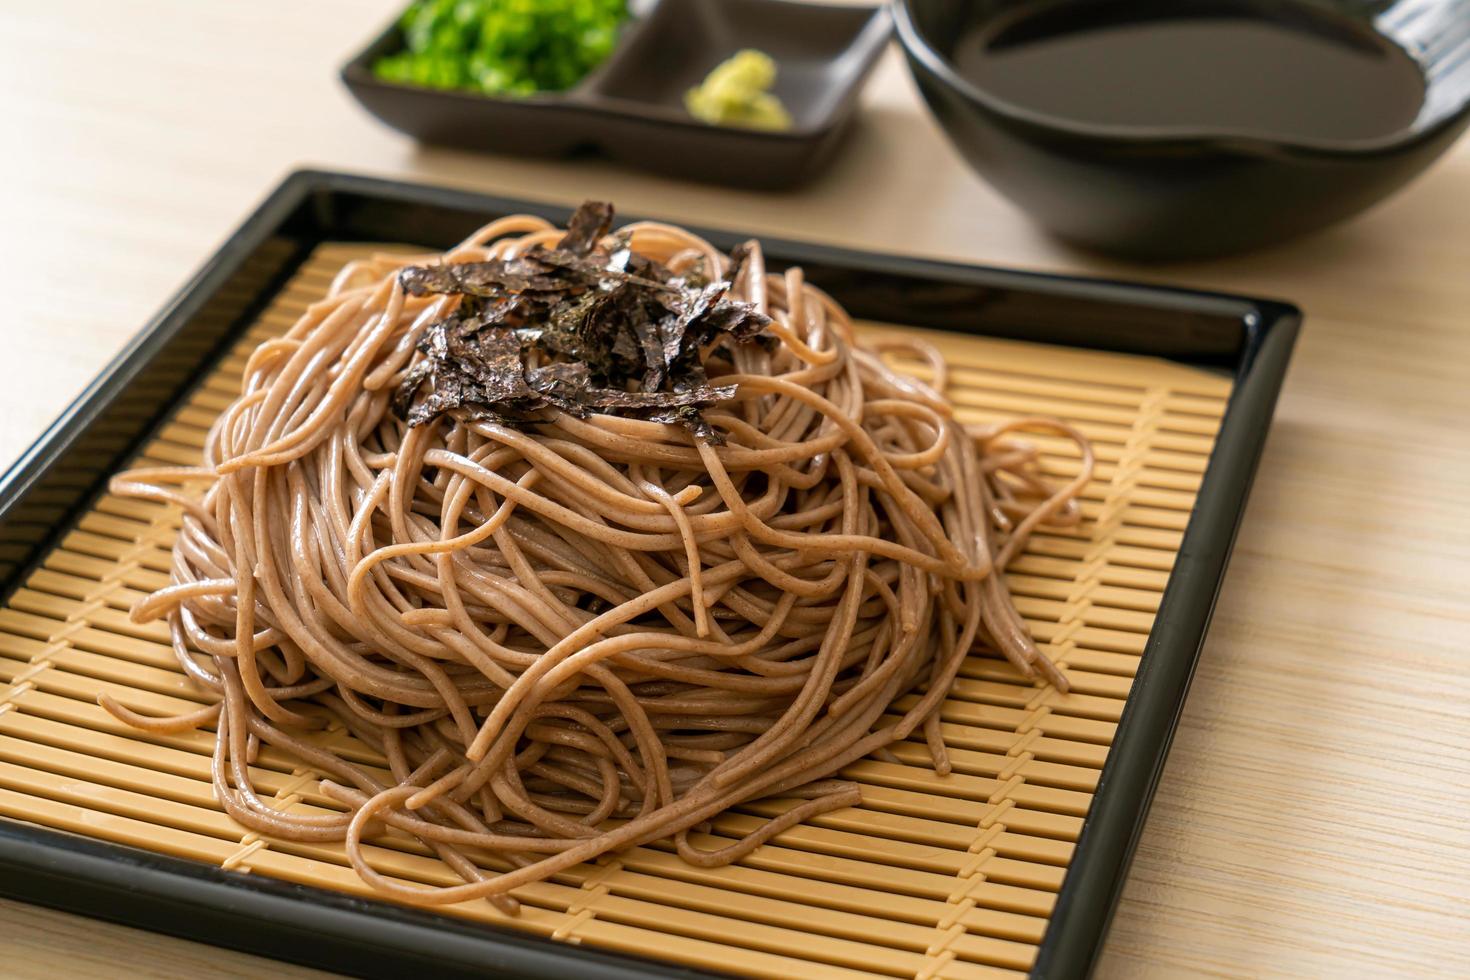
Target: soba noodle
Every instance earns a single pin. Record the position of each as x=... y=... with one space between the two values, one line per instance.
x=590 y=633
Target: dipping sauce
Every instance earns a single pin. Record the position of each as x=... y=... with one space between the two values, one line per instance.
x=1277 y=69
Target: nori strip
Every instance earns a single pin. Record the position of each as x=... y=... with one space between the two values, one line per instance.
x=491 y=279
x=589 y=223
x=579 y=328
x=693 y=420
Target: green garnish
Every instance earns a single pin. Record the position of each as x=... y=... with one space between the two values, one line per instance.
x=735 y=94
x=503 y=47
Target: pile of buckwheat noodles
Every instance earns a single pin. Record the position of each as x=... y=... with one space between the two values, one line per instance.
x=587 y=633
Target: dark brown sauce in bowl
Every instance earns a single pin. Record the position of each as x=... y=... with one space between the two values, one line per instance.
x=1278 y=71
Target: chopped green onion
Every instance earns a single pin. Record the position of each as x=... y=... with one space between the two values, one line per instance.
x=503 y=47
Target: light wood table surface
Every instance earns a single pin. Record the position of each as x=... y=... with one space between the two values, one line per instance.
x=1314 y=819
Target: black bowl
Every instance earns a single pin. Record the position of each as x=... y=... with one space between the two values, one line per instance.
x=1155 y=192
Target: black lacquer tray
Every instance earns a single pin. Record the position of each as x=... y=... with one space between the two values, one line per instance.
x=1242 y=344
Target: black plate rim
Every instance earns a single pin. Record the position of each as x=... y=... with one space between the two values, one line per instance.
x=196 y=900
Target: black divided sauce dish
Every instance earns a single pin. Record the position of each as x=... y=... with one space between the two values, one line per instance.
x=631 y=107
x=1185 y=128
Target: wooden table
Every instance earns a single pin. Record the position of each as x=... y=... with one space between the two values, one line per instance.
x=1313 y=816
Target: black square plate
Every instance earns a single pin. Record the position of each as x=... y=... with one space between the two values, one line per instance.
x=1248 y=340
x=631 y=107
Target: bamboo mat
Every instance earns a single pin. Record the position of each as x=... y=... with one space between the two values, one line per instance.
x=949 y=877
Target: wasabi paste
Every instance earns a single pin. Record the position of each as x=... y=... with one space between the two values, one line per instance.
x=735 y=94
